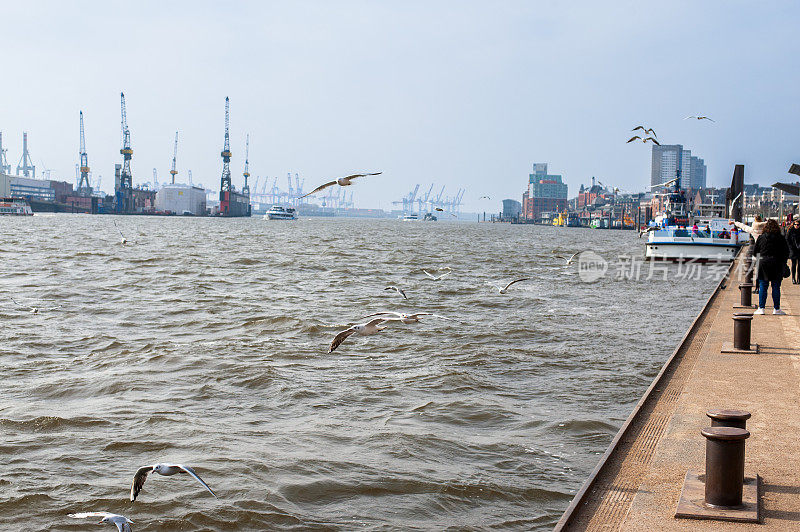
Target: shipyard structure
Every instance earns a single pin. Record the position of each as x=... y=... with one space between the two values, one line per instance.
x=231 y=202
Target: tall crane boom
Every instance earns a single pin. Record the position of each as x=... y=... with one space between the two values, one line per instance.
x=246 y=174
x=225 y=182
x=174 y=172
x=126 y=151
x=83 y=185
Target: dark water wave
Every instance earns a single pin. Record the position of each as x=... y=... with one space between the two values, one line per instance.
x=205 y=343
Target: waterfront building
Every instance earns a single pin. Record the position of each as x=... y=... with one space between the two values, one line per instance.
x=668 y=158
x=179 y=199
x=511 y=209
x=5 y=185
x=546 y=193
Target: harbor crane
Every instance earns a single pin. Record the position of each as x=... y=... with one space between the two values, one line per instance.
x=84 y=188
x=174 y=172
x=424 y=201
x=246 y=173
x=225 y=181
x=408 y=201
x=25 y=164
x=5 y=168
x=125 y=191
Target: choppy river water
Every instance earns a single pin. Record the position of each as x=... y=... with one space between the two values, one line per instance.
x=204 y=342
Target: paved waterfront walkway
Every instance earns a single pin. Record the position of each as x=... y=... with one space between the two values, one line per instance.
x=639 y=487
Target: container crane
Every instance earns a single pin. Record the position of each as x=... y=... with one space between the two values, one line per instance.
x=174 y=172
x=424 y=201
x=84 y=188
x=4 y=166
x=26 y=163
x=246 y=174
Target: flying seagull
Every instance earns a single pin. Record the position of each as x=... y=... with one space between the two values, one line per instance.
x=407 y=318
x=398 y=290
x=700 y=118
x=569 y=260
x=646 y=131
x=439 y=277
x=484 y=197
x=503 y=290
x=33 y=310
x=123 y=240
x=166 y=470
x=342 y=182
x=364 y=329
x=654 y=141
x=439 y=209
x=122 y=522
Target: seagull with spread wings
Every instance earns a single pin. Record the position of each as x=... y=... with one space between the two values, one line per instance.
x=651 y=139
x=439 y=277
x=407 y=318
x=34 y=310
x=398 y=290
x=122 y=522
x=504 y=290
x=363 y=329
x=569 y=260
x=166 y=470
x=342 y=182
x=645 y=131
x=700 y=118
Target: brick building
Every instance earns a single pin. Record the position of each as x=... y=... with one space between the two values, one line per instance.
x=546 y=193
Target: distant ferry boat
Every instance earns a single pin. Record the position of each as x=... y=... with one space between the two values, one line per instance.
x=14 y=207
x=281 y=213
x=411 y=217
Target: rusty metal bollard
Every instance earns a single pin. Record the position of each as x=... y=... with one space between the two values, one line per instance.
x=723 y=417
x=746 y=294
x=741 y=331
x=724 y=465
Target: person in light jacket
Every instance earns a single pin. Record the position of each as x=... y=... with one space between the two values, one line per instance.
x=793 y=240
x=756 y=229
x=770 y=252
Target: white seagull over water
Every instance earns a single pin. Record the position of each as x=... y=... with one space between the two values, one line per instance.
x=122 y=522
x=123 y=240
x=34 y=310
x=503 y=290
x=569 y=260
x=166 y=470
x=398 y=290
x=342 y=182
x=407 y=318
x=364 y=329
x=439 y=277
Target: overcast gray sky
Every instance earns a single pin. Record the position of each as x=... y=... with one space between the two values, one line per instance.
x=462 y=94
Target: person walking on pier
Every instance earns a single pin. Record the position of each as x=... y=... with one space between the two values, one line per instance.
x=793 y=240
x=770 y=252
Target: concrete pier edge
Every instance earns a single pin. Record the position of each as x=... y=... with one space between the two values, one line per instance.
x=649 y=395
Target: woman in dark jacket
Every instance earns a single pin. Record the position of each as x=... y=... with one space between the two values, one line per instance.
x=771 y=252
x=793 y=239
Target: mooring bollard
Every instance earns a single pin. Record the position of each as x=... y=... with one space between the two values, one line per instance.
x=724 y=465
x=741 y=331
x=746 y=295
x=724 y=417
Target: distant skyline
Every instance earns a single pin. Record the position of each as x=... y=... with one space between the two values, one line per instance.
x=461 y=94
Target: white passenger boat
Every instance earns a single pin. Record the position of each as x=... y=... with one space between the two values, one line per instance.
x=411 y=217
x=712 y=242
x=15 y=207
x=673 y=237
x=277 y=212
